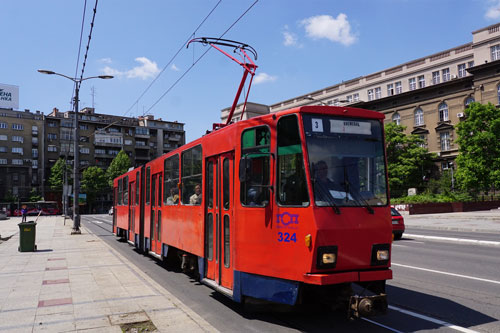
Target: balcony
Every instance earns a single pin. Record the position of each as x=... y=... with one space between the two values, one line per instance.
x=34 y=133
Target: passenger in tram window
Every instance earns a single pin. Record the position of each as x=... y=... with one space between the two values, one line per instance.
x=195 y=199
x=173 y=199
x=254 y=196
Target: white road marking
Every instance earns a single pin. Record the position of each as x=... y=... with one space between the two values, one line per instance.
x=379 y=324
x=397 y=245
x=413 y=241
x=433 y=320
x=446 y=273
x=99 y=222
x=459 y=240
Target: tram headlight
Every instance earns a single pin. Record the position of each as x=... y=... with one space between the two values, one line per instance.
x=327 y=257
x=381 y=253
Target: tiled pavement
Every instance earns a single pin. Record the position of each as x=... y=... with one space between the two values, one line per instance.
x=78 y=283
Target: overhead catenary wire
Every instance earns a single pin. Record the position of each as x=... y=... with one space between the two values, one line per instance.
x=173 y=58
x=79 y=49
x=88 y=43
x=197 y=60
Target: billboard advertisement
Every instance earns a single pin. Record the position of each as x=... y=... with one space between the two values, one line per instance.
x=9 y=96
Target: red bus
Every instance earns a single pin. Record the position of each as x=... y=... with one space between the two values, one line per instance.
x=280 y=207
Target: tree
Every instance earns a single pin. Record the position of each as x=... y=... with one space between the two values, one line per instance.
x=479 y=152
x=119 y=165
x=408 y=162
x=94 y=182
x=34 y=195
x=56 y=178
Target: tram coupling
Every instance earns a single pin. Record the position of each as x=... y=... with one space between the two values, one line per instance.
x=367 y=306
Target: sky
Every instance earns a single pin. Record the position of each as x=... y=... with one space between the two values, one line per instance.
x=302 y=46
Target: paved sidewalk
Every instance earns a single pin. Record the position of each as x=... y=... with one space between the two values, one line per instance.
x=479 y=221
x=78 y=283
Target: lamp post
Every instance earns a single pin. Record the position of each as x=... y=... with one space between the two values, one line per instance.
x=76 y=137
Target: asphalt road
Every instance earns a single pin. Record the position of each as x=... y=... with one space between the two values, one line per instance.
x=438 y=285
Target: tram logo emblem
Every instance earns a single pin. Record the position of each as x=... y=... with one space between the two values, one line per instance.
x=287 y=220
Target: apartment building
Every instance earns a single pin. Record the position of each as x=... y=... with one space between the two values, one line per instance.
x=427 y=95
x=21 y=150
x=31 y=143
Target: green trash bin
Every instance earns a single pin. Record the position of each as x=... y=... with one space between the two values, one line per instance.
x=27 y=236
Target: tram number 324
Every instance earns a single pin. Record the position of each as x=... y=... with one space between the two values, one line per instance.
x=287 y=237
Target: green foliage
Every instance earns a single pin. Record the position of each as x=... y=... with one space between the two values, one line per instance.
x=34 y=195
x=479 y=153
x=430 y=197
x=56 y=178
x=119 y=165
x=9 y=197
x=94 y=182
x=407 y=161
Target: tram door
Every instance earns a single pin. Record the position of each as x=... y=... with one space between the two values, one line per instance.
x=155 y=219
x=219 y=219
x=131 y=211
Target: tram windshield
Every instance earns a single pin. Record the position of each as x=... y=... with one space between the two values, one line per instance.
x=346 y=161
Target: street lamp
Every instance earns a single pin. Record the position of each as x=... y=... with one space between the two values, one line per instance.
x=310 y=98
x=76 y=160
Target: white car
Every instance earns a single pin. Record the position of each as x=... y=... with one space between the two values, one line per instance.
x=110 y=212
x=3 y=216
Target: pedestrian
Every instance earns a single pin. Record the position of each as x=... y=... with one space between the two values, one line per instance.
x=24 y=211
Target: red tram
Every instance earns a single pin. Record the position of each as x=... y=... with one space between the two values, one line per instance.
x=279 y=207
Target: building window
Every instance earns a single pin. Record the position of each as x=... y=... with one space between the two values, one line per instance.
x=461 y=70
x=443 y=111
x=17 y=138
x=52 y=136
x=495 y=52
x=67 y=124
x=84 y=126
x=17 y=150
x=378 y=93
x=470 y=64
x=3 y=137
x=52 y=124
x=34 y=164
x=445 y=141
x=349 y=99
x=336 y=102
x=446 y=74
x=34 y=153
x=355 y=97
x=66 y=134
x=51 y=148
x=100 y=151
x=396 y=118
x=421 y=81
x=34 y=128
x=370 y=95
x=399 y=87
x=469 y=100
x=128 y=142
x=84 y=150
x=3 y=125
x=419 y=117
x=412 y=83
x=17 y=161
x=435 y=77
x=3 y=161
x=141 y=131
x=390 y=89
x=423 y=144
x=18 y=127
x=3 y=149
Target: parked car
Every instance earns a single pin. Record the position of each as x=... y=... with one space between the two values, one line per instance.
x=110 y=212
x=398 y=224
x=3 y=215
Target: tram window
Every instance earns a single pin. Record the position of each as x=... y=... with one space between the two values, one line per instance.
x=148 y=184
x=254 y=189
x=292 y=185
x=120 y=191
x=225 y=183
x=125 y=190
x=226 y=242
x=115 y=196
x=137 y=188
x=210 y=184
x=171 y=180
x=191 y=176
x=159 y=225
x=159 y=190
x=153 y=191
x=209 y=236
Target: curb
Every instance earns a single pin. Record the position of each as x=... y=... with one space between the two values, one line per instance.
x=487 y=231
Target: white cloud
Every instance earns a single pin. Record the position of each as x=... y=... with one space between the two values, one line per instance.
x=263 y=77
x=334 y=29
x=147 y=70
x=174 y=68
x=290 y=39
x=105 y=60
x=493 y=11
